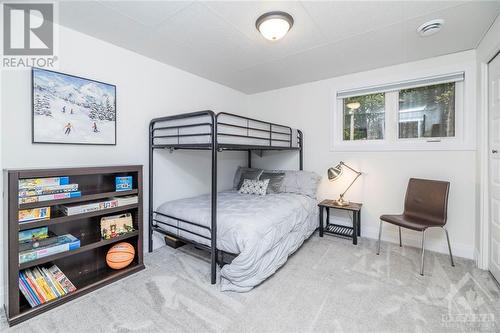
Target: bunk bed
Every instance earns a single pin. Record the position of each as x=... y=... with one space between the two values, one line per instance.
x=205 y=130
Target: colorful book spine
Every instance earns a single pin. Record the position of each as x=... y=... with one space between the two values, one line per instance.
x=54 y=282
x=45 y=287
x=26 y=293
x=37 y=183
x=49 y=283
x=40 y=285
x=26 y=215
x=31 y=281
x=30 y=290
x=62 y=279
x=65 y=243
x=48 y=190
x=48 y=197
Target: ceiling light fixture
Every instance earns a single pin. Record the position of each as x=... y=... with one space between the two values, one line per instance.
x=430 y=28
x=274 y=25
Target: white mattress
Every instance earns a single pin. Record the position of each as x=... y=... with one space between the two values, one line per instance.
x=262 y=138
x=262 y=230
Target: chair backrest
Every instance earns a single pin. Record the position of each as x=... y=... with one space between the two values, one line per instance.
x=427 y=200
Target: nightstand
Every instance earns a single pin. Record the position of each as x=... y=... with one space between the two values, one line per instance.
x=336 y=229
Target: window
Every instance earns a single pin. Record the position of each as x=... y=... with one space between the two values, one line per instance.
x=364 y=117
x=427 y=112
x=422 y=114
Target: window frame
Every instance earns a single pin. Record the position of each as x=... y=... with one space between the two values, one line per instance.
x=391 y=141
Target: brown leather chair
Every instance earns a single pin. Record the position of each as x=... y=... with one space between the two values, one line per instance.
x=426 y=205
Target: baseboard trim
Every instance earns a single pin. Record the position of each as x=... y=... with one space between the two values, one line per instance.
x=435 y=240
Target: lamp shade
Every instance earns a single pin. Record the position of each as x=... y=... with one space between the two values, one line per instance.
x=335 y=172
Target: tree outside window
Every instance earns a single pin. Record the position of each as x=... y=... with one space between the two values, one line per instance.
x=427 y=111
x=364 y=117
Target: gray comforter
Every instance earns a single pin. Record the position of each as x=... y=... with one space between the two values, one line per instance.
x=262 y=230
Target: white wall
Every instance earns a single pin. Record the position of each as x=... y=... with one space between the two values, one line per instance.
x=145 y=89
x=486 y=50
x=382 y=187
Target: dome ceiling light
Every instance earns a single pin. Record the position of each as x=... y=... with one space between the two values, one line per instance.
x=274 y=25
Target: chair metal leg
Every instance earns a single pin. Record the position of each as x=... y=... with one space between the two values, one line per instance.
x=379 y=236
x=423 y=252
x=449 y=246
x=400 y=243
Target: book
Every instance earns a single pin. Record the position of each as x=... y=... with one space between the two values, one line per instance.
x=87 y=208
x=48 y=197
x=26 y=293
x=40 y=281
x=44 y=190
x=62 y=279
x=33 y=234
x=29 y=289
x=123 y=183
x=37 y=183
x=54 y=282
x=31 y=281
x=41 y=284
x=26 y=215
x=49 y=282
x=64 y=243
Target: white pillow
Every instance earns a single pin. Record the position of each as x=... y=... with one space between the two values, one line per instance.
x=251 y=186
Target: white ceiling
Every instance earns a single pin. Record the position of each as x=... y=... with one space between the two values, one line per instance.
x=218 y=40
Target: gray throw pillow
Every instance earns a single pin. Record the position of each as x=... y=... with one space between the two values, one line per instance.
x=275 y=181
x=251 y=175
x=302 y=182
x=237 y=175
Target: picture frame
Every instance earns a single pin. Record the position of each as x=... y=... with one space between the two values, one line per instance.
x=69 y=109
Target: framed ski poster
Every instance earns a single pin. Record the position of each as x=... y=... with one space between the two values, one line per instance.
x=72 y=110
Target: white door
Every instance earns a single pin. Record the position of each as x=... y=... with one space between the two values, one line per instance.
x=494 y=179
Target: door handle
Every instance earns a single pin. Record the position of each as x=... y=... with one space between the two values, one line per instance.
x=494 y=151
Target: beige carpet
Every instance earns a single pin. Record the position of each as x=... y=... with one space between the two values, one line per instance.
x=329 y=285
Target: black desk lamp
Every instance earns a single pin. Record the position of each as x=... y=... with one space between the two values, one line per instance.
x=334 y=173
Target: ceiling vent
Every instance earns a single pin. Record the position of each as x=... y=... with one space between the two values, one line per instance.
x=430 y=28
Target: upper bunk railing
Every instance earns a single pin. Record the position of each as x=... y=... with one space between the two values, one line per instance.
x=234 y=132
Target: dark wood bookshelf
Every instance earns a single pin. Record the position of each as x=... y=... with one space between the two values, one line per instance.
x=86 y=266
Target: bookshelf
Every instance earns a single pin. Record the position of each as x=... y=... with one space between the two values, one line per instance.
x=85 y=266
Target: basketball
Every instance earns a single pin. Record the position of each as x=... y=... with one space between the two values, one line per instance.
x=120 y=255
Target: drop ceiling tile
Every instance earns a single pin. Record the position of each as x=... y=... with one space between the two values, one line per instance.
x=359 y=53
x=147 y=13
x=343 y=19
x=464 y=26
x=97 y=20
x=204 y=33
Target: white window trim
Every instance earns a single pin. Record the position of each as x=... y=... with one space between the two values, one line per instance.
x=464 y=138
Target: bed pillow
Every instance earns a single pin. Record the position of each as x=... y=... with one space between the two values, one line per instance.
x=238 y=176
x=302 y=182
x=251 y=186
x=275 y=180
x=251 y=175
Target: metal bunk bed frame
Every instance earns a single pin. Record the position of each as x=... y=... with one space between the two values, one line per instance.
x=215 y=147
